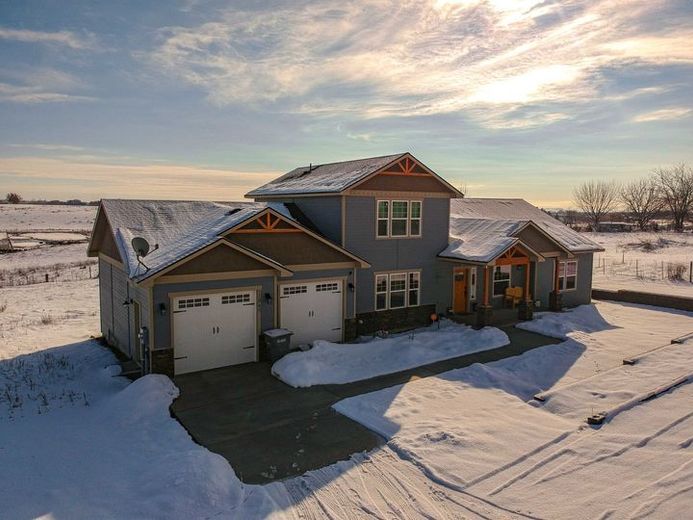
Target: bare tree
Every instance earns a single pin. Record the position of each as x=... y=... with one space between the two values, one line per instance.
x=643 y=199
x=676 y=185
x=14 y=198
x=596 y=199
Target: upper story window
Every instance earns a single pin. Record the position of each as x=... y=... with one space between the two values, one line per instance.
x=567 y=275
x=398 y=218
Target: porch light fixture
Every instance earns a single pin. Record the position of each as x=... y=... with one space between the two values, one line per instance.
x=162 y=309
x=351 y=286
x=268 y=298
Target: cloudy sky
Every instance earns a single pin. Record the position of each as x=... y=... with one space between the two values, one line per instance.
x=205 y=99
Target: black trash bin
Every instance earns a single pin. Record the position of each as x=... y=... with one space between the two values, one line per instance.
x=277 y=343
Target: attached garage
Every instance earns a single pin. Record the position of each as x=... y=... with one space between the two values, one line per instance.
x=214 y=330
x=312 y=310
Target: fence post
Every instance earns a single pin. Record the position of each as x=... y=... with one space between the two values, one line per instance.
x=623 y=259
x=636 y=268
x=46 y=277
x=690 y=273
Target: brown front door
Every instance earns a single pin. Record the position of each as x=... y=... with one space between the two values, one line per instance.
x=460 y=303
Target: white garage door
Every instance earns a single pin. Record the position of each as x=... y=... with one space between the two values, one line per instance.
x=214 y=330
x=312 y=310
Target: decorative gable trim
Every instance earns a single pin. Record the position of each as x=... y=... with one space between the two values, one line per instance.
x=403 y=167
x=270 y=221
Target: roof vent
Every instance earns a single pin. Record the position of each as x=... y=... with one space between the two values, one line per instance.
x=233 y=211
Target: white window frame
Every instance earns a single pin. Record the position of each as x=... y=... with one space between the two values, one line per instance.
x=509 y=279
x=407 y=288
x=390 y=219
x=562 y=278
x=386 y=219
x=419 y=218
x=386 y=292
x=405 y=219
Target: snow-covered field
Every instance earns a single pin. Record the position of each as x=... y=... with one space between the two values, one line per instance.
x=332 y=363
x=641 y=261
x=44 y=247
x=28 y=217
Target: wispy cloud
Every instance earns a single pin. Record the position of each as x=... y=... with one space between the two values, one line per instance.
x=93 y=177
x=384 y=58
x=63 y=38
x=42 y=85
x=663 y=114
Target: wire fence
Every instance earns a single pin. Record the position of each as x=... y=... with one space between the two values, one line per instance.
x=55 y=273
x=654 y=270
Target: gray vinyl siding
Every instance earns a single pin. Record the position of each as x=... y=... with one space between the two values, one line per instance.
x=162 y=323
x=582 y=293
x=115 y=317
x=400 y=254
x=325 y=213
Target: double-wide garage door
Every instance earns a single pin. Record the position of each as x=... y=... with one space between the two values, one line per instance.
x=214 y=330
x=312 y=310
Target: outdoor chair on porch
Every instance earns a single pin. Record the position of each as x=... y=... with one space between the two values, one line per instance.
x=513 y=296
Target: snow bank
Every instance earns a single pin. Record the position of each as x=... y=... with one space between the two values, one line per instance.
x=584 y=318
x=332 y=363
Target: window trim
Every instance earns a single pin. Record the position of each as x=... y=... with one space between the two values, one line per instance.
x=387 y=292
x=562 y=280
x=378 y=218
x=493 y=279
x=419 y=218
x=399 y=219
x=390 y=219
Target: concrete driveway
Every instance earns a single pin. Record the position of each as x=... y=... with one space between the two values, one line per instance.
x=268 y=430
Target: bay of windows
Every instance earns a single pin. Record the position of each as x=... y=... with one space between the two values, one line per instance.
x=398 y=218
x=397 y=290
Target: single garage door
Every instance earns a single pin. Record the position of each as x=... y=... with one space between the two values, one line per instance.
x=312 y=310
x=214 y=330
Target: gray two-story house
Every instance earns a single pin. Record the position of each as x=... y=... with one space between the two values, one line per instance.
x=330 y=251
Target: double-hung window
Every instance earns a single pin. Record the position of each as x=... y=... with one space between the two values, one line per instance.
x=383 y=217
x=397 y=290
x=501 y=279
x=567 y=275
x=398 y=218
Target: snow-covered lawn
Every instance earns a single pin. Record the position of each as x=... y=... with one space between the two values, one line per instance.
x=332 y=363
x=475 y=429
x=638 y=261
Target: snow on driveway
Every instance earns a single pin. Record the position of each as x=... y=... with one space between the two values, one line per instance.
x=332 y=363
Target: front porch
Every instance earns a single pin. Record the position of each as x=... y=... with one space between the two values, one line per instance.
x=502 y=291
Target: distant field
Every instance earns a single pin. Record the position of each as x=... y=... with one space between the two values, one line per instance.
x=646 y=262
x=30 y=217
x=51 y=242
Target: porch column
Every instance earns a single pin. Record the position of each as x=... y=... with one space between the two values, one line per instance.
x=484 y=312
x=525 y=310
x=555 y=303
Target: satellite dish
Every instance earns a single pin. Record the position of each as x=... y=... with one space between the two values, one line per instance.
x=141 y=247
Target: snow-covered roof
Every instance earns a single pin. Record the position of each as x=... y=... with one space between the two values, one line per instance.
x=179 y=228
x=521 y=210
x=480 y=240
x=323 y=178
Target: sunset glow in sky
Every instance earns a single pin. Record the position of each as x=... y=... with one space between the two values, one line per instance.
x=206 y=100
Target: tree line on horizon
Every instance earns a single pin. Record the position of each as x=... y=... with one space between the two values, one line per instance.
x=666 y=190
